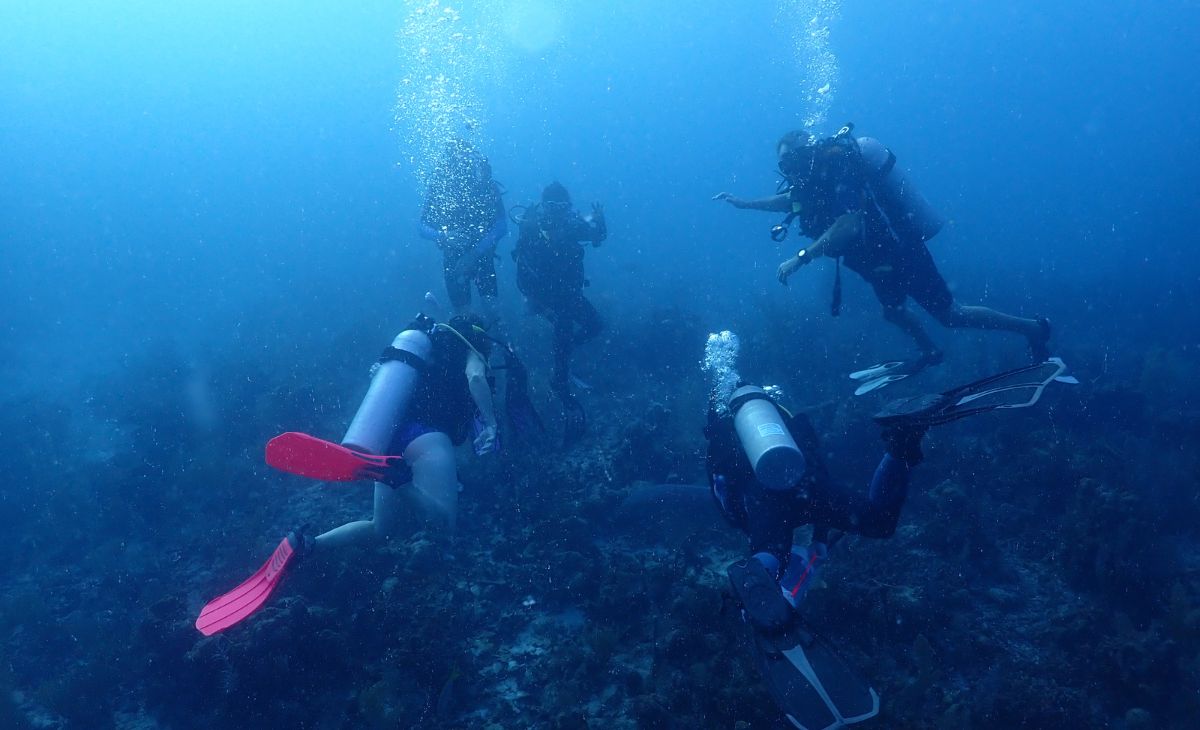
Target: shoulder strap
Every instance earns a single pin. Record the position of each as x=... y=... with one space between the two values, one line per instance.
x=887 y=166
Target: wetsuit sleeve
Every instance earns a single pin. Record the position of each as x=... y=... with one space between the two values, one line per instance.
x=874 y=515
x=771 y=516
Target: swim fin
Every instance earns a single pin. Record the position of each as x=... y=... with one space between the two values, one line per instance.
x=1018 y=388
x=886 y=373
x=876 y=371
x=522 y=415
x=308 y=456
x=574 y=420
x=758 y=593
x=231 y=608
x=813 y=686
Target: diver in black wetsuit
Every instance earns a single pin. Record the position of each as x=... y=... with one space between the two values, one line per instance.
x=767 y=475
x=766 y=472
x=770 y=515
x=847 y=195
x=550 y=274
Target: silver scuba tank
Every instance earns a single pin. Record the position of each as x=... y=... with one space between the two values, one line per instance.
x=773 y=454
x=391 y=390
x=906 y=208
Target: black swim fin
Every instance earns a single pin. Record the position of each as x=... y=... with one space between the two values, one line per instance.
x=574 y=419
x=1018 y=388
x=521 y=414
x=759 y=595
x=813 y=686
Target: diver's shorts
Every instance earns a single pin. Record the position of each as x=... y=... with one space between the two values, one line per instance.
x=912 y=274
x=408 y=432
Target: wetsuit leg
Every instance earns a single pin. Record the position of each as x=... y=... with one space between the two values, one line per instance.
x=891 y=285
x=485 y=282
x=874 y=515
x=587 y=319
x=771 y=516
x=564 y=343
x=917 y=275
x=484 y=276
x=458 y=287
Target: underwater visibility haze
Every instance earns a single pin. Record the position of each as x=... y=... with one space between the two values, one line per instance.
x=665 y=331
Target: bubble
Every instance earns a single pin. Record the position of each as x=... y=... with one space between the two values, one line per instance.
x=450 y=57
x=808 y=24
x=720 y=360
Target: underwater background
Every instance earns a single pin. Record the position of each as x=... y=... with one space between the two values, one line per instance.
x=208 y=216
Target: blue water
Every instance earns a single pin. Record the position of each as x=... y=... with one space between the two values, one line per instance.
x=210 y=208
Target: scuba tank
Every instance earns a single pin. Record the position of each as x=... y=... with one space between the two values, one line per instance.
x=906 y=210
x=777 y=462
x=393 y=383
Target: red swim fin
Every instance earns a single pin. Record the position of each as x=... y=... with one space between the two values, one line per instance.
x=309 y=456
x=229 y=609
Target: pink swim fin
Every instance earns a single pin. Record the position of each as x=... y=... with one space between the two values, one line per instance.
x=231 y=608
x=308 y=456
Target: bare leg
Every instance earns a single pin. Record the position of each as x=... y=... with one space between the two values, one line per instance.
x=433 y=491
x=903 y=317
x=435 y=477
x=982 y=318
x=365 y=532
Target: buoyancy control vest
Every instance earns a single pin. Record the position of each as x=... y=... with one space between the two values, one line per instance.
x=830 y=175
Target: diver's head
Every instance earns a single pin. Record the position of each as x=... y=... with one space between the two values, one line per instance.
x=473 y=328
x=797 y=156
x=464 y=163
x=556 y=201
x=794 y=140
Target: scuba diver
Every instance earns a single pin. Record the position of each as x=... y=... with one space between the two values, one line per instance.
x=767 y=476
x=550 y=274
x=848 y=195
x=464 y=215
x=429 y=390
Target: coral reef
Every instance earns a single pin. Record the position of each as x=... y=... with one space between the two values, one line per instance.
x=1044 y=573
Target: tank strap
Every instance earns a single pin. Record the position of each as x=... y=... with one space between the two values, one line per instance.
x=745 y=398
x=886 y=169
x=447 y=328
x=395 y=354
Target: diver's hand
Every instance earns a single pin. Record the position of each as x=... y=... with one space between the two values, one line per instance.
x=485 y=442
x=789 y=267
x=730 y=198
